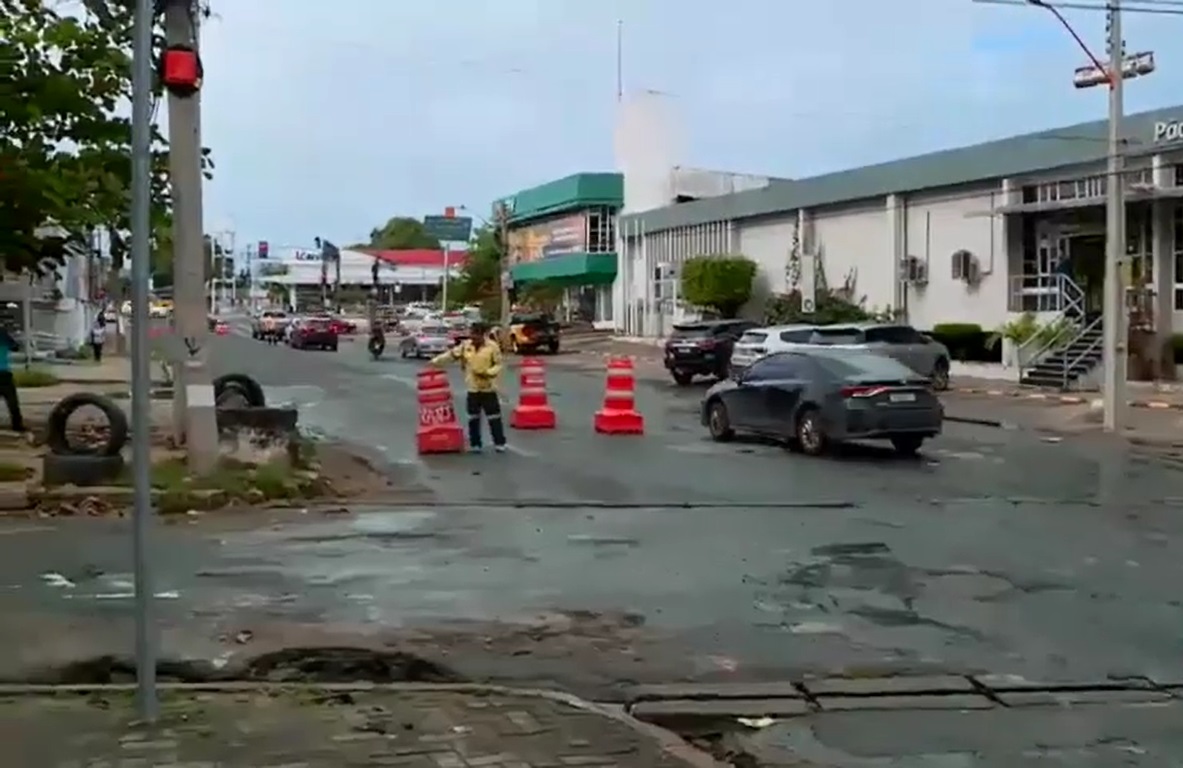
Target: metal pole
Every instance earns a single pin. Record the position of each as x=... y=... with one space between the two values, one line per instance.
x=27 y=317
x=141 y=374
x=503 y=227
x=444 y=292
x=195 y=396
x=1112 y=323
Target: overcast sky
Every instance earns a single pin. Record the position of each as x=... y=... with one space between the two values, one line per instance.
x=328 y=118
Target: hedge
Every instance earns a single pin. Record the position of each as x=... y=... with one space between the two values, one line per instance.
x=967 y=342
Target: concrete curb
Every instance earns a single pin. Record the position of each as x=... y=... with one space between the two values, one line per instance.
x=669 y=742
x=1061 y=399
x=978 y=422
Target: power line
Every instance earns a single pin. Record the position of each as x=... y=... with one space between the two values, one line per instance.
x=1161 y=7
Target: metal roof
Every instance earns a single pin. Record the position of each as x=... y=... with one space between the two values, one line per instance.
x=1016 y=156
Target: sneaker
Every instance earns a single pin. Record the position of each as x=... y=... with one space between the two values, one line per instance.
x=501 y=448
x=474 y=449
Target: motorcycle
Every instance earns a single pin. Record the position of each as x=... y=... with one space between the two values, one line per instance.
x=377 y=343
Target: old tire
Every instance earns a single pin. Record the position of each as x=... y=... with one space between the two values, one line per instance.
x=56 y=437
x=81 y=470
x=250 y=388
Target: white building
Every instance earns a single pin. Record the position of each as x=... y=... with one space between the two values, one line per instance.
x=417 y=273
x=970 y=235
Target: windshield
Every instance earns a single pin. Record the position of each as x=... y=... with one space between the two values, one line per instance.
x=433 y=330
x=853 y=364
x=753 y=337
x=691 y=331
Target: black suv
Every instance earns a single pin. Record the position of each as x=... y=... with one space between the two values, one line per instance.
x=703 y=348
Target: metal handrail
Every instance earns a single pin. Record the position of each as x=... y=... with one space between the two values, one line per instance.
x=1070 y=299
x=1069 y=363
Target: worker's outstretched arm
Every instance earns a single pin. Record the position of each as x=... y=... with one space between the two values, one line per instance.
x=449 y=355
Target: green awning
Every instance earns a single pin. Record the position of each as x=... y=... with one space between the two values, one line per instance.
x=569 y=269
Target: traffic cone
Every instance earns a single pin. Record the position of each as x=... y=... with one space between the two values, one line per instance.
x=619 y=414
x=439 y=431
x=533 y=410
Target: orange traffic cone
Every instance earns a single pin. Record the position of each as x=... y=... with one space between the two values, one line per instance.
x=619 y=415
x=439 y=431
x=533 y=410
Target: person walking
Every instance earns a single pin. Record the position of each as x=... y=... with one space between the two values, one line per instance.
x=8 y=345
x=98 y=337
x=480 y=358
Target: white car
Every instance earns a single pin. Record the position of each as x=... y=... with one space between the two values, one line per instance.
x=758 y=342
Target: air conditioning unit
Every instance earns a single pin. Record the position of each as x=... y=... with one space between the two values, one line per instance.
x=973 y=272
x=808 y=305
x=914 y=270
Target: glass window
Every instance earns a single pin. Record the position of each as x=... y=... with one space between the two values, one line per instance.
x=893 y=335
x=754 y=337
x=862 y=365
x=801 y=336
x=837 y=336
x=777 y=368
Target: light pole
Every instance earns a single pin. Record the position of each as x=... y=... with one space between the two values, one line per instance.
x=1113 y=72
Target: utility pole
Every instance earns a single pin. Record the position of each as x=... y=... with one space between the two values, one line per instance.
x=141 y=374
x=501 y=217
x=1113 y=322
x=193 y=409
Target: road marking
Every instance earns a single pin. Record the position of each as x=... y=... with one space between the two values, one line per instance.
x=521 y=452
x=406 y=381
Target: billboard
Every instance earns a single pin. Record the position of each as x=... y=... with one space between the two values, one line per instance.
x=555 y=237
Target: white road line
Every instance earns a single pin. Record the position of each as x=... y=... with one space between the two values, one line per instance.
x=406 y=381
x=521 y=451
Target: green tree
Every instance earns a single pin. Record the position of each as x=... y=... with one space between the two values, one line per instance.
x=721 y=283
x=479 y=282
x=402 y=233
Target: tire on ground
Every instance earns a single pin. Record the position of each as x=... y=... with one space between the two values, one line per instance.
x=58 y=441
x=251 y=389
x=81 y=470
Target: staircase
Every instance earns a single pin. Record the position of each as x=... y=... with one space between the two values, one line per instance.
x=1062 y=362
x=1065 y=364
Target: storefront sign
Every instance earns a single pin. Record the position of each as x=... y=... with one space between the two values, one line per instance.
x=300 y=255
x=1168 y=130
x=548 y=238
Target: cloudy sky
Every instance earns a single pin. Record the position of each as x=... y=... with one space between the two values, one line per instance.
x=328 y=118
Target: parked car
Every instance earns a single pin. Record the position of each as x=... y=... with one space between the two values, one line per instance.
x=759 y=342
x=902 y=342
x=313 y=333
x=703 y=348
x=427 y=342
x=816 y=397
x=533 y=331
x=271 y=325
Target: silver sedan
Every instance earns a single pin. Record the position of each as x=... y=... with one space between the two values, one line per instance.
x=426 y=342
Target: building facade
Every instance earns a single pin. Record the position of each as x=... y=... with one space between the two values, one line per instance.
x=970 y=235
x=412 y=275
x=563 y=234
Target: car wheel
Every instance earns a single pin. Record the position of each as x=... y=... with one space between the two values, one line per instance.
x=553 y=347
x=683 y=379
x=907 y=445
x=719 y=423
x=810 y=435
x=940 y=375
x=332 y=347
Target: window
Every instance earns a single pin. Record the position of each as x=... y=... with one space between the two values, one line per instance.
x=797 y=337
x=1177 y=220
x=837 y=336
x=777 y=368
x=601 y=230
x=894 y=334
x=734 y=330
x=862 y=365
x=753 y=337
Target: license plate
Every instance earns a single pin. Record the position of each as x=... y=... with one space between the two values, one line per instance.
x=902 y=397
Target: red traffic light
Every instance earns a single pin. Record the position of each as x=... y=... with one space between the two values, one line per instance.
x=181 y=71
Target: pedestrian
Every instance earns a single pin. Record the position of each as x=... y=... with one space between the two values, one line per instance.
x=98 y=337
x=480 y=358
x=8 y=345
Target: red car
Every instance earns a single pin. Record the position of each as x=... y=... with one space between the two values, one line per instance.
x=343 y=327
x=313 y=333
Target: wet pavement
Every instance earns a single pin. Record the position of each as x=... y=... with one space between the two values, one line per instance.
x=590 y=562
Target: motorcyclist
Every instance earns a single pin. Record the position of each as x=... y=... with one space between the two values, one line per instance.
x=480 y=358
x=377 y=341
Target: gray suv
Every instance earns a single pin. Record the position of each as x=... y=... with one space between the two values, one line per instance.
x=902 y=342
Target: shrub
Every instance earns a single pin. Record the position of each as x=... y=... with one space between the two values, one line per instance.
x=967 y=342
x=721 y=283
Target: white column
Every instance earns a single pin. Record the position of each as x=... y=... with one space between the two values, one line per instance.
x=897 y=247
x=1162 y=251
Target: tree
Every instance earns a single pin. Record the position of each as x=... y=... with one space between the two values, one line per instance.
x=64 y=146
x=479 y=282
x=402 y=233
x=721 y=283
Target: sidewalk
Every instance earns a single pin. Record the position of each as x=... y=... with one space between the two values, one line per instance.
x=413 y=726
x=112 y=375
x=1142 y=394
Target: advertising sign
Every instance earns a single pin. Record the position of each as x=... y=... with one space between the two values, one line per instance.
x=545 y=239
x=448 y=229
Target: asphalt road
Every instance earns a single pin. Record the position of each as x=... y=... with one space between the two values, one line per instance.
x=591 y=562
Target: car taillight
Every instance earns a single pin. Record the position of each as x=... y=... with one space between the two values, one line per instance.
x=707 y=344
x=850 y=392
